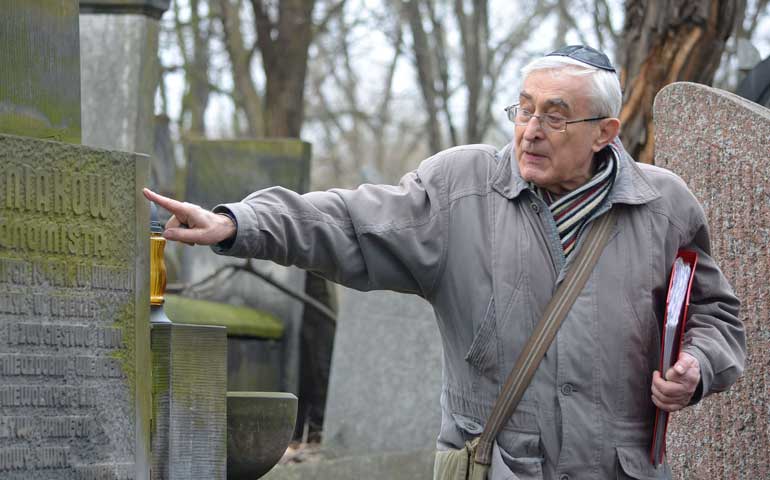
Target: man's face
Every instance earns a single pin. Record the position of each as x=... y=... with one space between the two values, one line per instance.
x=557 y=161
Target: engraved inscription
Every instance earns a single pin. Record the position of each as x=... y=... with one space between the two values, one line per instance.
x=28 y=458
x=25 y=428
x=58 y=366
x=53 y=335
x=65 y=274
x=46 y=396
x=27 y=189
x=121 y=471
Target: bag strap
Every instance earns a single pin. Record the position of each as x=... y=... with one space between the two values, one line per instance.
x=545 y=331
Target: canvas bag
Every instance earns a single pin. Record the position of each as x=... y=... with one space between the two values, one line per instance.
x=472 y=462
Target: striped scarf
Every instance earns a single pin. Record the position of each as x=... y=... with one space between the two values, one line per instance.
x=572 y=211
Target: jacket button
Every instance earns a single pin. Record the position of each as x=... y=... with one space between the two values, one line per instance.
x=564 y=477
x=535 y=207
x=567 y=389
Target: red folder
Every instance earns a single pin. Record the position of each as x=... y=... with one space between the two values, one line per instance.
x=658 y=449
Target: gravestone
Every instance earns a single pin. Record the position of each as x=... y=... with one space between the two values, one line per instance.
x=119 y=72
x=720 y=144
x=223 y=171
x=40 y=74
x=386 y=375
x=74 y=308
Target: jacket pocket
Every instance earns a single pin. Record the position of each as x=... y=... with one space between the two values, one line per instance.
x=528 y=466
x=634 y=463
x=482 y=354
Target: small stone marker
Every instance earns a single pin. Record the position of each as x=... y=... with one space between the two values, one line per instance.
x=74 y=305
x=720 y=144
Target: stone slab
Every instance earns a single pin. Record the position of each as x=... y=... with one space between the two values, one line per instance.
x=189 y=370
x=40 y=74
x=152 y=8
x=74 y=312
x=720 y=144
x=385 y=379
x=227 y=171
x=416 y=465
x=119 y=70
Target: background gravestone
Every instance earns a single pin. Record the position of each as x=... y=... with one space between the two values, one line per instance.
x=119 y=72
x=222 y=171
x=720 y=145
x=386 y=375
x=74 y=308
x=40 y=73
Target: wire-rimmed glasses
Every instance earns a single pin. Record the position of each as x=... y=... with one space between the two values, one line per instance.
x=550 y=122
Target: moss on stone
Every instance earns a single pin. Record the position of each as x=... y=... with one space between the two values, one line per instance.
x=240 y=321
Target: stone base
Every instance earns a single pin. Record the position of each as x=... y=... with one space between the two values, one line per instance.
x=417 y=465
x=189 y=373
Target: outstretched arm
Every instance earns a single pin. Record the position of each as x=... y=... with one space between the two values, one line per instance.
x=192 y=224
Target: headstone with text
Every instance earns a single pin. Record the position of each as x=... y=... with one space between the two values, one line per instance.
x=74 y=307
x=720 y=144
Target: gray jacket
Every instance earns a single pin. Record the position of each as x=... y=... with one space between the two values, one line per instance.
x=464 y=232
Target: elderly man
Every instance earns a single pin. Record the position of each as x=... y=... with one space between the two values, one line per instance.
x=486 y=236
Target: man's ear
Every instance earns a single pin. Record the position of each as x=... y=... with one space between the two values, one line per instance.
x=608 y=130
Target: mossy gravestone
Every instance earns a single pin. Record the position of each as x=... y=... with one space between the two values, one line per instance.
x=40 y=69
x=74 y=326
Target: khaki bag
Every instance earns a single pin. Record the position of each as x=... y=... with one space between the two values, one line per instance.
x=459 y=464
x=472 y=462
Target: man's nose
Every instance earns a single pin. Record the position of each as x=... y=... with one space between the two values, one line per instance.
x=533 y=130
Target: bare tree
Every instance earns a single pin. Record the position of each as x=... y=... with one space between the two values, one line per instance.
x=665 y=42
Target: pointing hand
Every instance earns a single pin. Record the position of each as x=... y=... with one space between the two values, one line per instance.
x=192 y=224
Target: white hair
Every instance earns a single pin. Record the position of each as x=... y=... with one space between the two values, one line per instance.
x=604 y=86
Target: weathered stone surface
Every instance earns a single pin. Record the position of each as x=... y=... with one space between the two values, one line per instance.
x=720 y=145
x=415 y=465
x=189 y=377
x=119 y=71
x=220 y=171
x=153 y=8
x=386 y=375
x=40 y=74
x=74 y=307
x=227 y=171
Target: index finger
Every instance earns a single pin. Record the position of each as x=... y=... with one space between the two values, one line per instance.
x=169 y=204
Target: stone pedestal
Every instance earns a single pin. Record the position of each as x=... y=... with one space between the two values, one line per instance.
x=74 y=308
x=189 y=376
x=40 y=74
x=720 y=144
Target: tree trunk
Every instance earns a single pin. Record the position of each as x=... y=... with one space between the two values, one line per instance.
x=666 y=42
x=284 y=47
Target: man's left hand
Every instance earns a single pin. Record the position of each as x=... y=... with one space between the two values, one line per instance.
x=675 y=391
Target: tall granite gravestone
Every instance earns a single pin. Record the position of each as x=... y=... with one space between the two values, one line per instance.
x=386 y=375
x=221 y=171
x=720 y=144
x=74 y=305
x=39 y=77
x=119 y=72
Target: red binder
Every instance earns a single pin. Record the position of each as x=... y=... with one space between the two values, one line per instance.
x=658 y=449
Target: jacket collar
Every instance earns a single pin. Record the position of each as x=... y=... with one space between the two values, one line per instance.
x=631 y=186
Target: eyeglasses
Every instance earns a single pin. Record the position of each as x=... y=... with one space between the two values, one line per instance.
x=550 y=122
